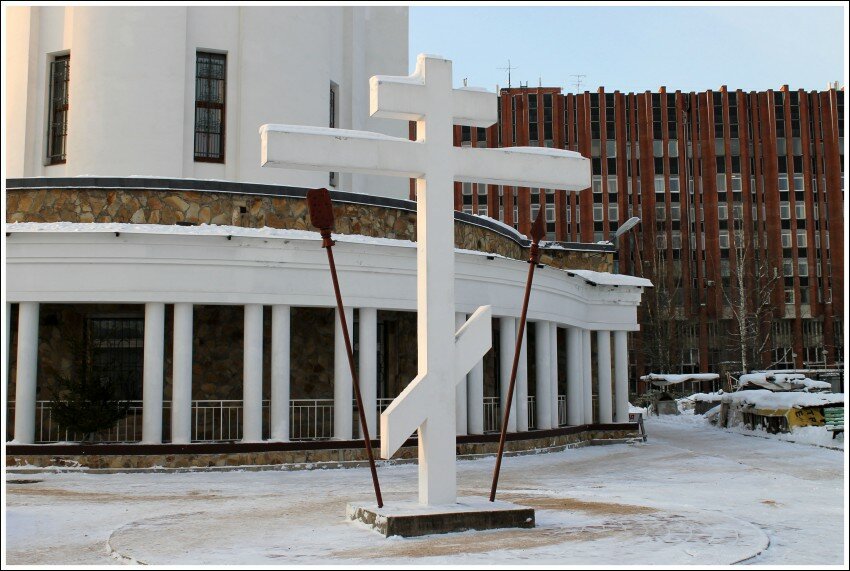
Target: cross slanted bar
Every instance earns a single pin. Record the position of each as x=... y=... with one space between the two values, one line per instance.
x=444 y=355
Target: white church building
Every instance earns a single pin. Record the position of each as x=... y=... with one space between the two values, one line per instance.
x=145 y=239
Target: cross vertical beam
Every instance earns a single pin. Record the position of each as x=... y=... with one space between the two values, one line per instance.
x=427 y=404
x=435 y=294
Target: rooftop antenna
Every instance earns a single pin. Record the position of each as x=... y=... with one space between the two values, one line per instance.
x=508 y=69
x=579 y=78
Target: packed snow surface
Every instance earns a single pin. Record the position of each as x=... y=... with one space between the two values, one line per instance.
x=693 y=494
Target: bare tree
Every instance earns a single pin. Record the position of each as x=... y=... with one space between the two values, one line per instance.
x=748 y=295
x=662 y=325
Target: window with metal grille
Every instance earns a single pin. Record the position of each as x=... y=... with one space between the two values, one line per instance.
x=533 y=135
x=333 y=119
x=115 y=348
x=58 y=121
x=210 y=86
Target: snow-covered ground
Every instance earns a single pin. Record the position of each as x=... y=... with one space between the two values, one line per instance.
x=692 y=494
x=814 y=435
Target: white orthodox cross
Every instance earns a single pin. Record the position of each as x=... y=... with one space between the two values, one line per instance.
x=445 y=356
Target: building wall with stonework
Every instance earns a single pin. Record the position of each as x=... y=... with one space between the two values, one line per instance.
x=286 y=210
x=218 y=330
x=220 y=327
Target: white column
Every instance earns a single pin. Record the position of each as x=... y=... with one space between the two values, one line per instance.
x=587 y=376
x=475 y=399
x=181 y=389
x=367 y=372
x=542 y=363
x=575 y=384
x=553 y=374
x=507 y=345
x=27 y=368
x=152 y=373
x=460 y=389
x=603 y=375
x=252 y=375
x=621 y=375
x=280 y=373
x=521 y=394
x=343 y=391
x=6 y=332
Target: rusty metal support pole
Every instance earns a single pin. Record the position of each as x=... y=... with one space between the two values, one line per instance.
x=537 y=232
x=321 y=215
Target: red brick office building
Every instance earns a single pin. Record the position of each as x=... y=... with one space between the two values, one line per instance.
x=767 y=166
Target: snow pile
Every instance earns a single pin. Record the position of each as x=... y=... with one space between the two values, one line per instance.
x=766 y=399
x=775 y=381
x=817 y=435
x=603 y=278
x=708 y=397
x=663 y=379
x=811 y=435
x=809 y=384
x=501 y=224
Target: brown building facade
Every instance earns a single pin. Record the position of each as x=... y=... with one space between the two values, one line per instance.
x=718 y=179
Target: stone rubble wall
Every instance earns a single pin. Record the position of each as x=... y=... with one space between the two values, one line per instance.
x=147 y=206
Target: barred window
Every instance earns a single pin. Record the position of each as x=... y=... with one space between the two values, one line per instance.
x=58 y=121
x=115 y=348
x=210 y=85
x=333 y=119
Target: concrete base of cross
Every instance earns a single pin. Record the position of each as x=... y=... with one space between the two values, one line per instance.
x=411 y=519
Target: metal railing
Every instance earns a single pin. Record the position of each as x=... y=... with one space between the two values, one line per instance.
x=127 y=429
x=217 y=420
x=311 y=419
x=221 y=420
x=492 y=416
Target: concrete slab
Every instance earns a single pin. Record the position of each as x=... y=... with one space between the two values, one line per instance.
x=410 y=519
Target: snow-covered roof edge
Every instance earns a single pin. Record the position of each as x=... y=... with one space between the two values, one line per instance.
x=264 y=232
x=602 y=278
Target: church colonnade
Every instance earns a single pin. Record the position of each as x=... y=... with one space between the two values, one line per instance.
x=611 y=375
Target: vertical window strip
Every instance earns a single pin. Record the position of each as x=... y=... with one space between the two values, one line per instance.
x=210 y=85
x=58 y=121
